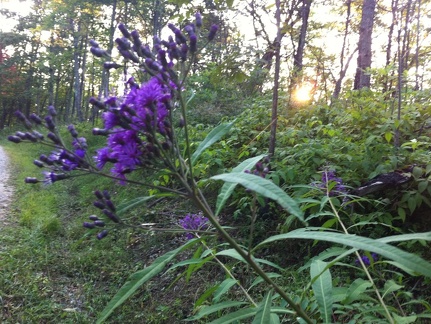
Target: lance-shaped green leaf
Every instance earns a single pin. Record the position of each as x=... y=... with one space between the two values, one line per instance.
x=408 y=260
x=356 y=290
x=228 y=187
x=263 y=314
x=322 y=288
x=140 y=277
x=211 y=138
x=208 y=310
x=264 y=187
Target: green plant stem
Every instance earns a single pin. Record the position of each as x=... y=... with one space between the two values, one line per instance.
x=379 y=296
x=230 y=274
x=202 y=204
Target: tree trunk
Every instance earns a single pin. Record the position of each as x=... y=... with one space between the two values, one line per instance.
x=274 y=112
x=362 y=78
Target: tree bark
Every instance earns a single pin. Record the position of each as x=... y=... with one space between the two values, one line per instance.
x=362 y=78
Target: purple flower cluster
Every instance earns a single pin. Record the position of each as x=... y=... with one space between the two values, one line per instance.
x=332 y=183
x=193 y=222
x=366 y=259
x=138 y=126
x=62 y=159
x=260 y=169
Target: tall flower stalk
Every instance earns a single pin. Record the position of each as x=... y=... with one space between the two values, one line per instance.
x=140 y=133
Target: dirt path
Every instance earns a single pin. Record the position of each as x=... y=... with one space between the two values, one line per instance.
x=6 y=190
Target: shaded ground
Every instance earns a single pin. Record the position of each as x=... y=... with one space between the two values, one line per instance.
x=6 y=190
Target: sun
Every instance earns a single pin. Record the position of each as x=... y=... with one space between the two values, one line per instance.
x=304 y=92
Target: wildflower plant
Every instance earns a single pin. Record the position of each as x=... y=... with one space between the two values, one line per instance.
x=142 y=134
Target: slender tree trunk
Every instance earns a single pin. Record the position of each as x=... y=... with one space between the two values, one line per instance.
x=418 y=35
x=387 y=86
x=274 y=112
x=77 y=107
x=362 y=78
x=343 y=66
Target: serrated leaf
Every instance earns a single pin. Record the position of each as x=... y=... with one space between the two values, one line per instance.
x=322 y=288
x=265 y=188
x=216 y=134
x=263 y=314
x=223 y=288
x=408 y=260
x=139 y=278
x=228 y=188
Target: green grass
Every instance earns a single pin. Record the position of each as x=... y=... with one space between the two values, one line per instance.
x=53 y=270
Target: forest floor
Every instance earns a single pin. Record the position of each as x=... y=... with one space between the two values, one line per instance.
x=6 y=190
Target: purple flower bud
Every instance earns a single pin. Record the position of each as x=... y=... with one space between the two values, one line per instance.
x=106 y=195
x=193 y=43
x=36 y=119
x=38 y=135
x=96 y=51
x=124 y=30
x=111 y=65
x=98 y=194
x=110 y=205
x=123 y=43
x=99 y=223
x=190 y=29
x=136 y=38
x=93 y=217
x=88 y=225
x=111 y=215
x=183 y=51
x=102 y=234
x=50 y=123
x=198 y=19
x=14 y=139
x=212 y=33
x=153 y=65
x=72 y=131
x=96 y=103
x=93 y=43
x=20 y=134
x=51 y=111
x=45 y=159
x=20 y=115
x=162 y=58
x=30 y=137
x=38 y=163
x=54 y=138
x=31 y=180
x=99 y=205
x=57 y=177
x=146 y=51
x=129 y=56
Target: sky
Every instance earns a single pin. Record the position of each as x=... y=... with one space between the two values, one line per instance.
x=23 y=8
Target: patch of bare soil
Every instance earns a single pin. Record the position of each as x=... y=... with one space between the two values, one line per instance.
x=6 y=190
